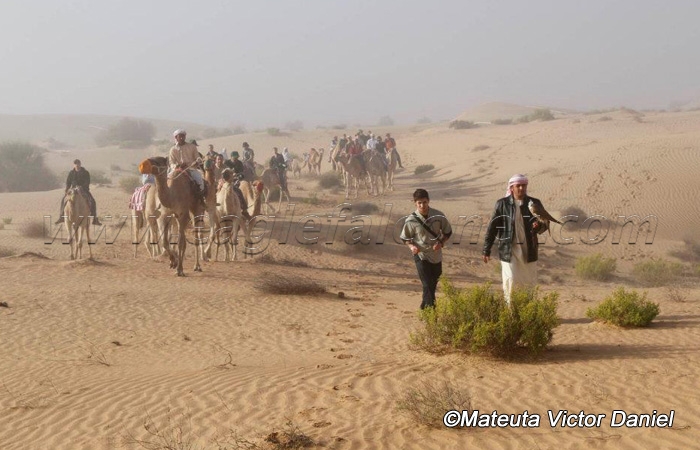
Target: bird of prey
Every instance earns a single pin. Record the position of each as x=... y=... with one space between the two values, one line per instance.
x=541 y=214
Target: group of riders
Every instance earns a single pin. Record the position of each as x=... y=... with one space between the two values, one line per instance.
x=365 y=144
x=234 y=169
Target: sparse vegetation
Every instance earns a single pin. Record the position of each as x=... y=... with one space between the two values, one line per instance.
x=290 y=438
x=32 y=229
x=278 y=284
x=595 y=267
x=329 y=180
x=625 y=309
x=7 y=220
x=604 y=119
x=462 y=124
x=340 y=126
x=273 y=131
x=478 y=320
x=127 y=133
x=364 y=208
x=99 y=177
x=502 y=121
x=423 y=168
x=676 y=294
x=311 y=199
x=6 y=251
x=23 y=169
x=656 y=272
x=542 y=114
x=428 y=401
x=130 y=183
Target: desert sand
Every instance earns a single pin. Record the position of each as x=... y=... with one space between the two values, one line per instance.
x=92 y=350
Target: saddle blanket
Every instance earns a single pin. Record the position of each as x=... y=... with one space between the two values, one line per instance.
x=138 y=198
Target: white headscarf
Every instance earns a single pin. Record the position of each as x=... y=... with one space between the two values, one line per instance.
x=179 y=131
x=515 y=179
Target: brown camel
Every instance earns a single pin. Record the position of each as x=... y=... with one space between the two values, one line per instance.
x=295 y=167
x=210 y=203
x=271 y=180
x=253 y=196
x=77 y=213
x=315 y=160
x=352 y=168
x=393 y=163
x=177 y=194
x=377 y=171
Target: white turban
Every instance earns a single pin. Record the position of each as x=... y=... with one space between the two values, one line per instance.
x=178 y=132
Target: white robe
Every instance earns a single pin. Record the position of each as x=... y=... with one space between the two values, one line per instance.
x=518 y=272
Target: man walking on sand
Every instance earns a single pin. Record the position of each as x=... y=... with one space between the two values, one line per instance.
x=516 y=230
x=425 y=232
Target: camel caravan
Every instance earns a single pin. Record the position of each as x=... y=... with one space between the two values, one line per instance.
x=365 y=158
x=218 y=198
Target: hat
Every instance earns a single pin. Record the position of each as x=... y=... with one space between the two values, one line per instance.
x=245 y=144
x=77 y=161
x=194 y=142
x=178 y=132
x=234 y=154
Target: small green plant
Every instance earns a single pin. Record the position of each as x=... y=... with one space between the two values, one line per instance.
x=98 y=177
x=423 y=168
x=462 y=124
x=428 y=401
x=625 y=309
x=7 y=220
x=480 y=321
x=328 y=180
x=656 y=272
x=128 y=184
x=595 y=267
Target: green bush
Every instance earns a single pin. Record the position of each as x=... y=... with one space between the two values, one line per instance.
x=130 y=183
x=423 y=168
x=462 y=124
x=273 y=131
x=595 y=267
x=99 y=177
x=329 y=180
x=22 y=169
x=7 y=220
x=542 y=114
x=480 y=321
x=625 y=309
x=656 y=272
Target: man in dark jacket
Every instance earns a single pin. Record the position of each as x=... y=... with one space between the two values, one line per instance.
x=81 y=178
x=516 y=230
x=277 y=163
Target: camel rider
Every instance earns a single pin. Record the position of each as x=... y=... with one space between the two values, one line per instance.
x=211 y=154
x=354 y=149
x=390 y=144
x=79 y=177
x=334 y=143
x=278 y=165
x=186 y=156
x=230 y=176
x=287 y=156
x=380 y=149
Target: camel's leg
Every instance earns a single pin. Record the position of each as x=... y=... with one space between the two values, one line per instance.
x=198 y=245
x=181 y=246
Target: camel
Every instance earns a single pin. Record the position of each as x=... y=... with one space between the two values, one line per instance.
x=353 y=172
x=377 y=171
x=210 y=202
x=270 y=180
x=177 y=195
x=252 y=194
x=315 y=159
x=393 y=163
x=229 y=211
x=77 y=219
x=295 y=167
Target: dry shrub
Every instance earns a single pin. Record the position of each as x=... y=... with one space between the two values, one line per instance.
x=657 y=272
x=171 y=433
x=329 y=180
x=691 y=251
x=278 y=284
x=595 y=267
x=423 y=168
x=6 y=251
x=462 y=124
x=130 y=183
x=23 y=168
x=502 y=121
x=676 y=294
x=32 y=229
x=364 y=208
x=428 y=402
x=289 y=438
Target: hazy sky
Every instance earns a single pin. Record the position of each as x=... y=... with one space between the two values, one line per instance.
x=262 y=63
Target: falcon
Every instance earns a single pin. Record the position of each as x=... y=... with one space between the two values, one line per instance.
x=541 y=214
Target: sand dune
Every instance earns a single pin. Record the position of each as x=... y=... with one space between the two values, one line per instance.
x=92 y=349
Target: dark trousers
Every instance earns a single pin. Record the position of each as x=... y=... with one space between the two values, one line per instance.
x=429 y=274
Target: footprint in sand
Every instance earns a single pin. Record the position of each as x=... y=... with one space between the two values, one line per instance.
x=335 y=333
x=337 y=349
x=368 y=304
x=343 y=356
x=321 y=424
x=364 y=374
x=355 y=325
x=324 y=366
x=357 y=314
x=347 y=341
x=338 y=387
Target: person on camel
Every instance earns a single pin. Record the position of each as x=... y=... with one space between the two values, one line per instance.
x=79 y=177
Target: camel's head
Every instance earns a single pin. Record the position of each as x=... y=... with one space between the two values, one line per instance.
x=259 y=186
x=153 y=165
